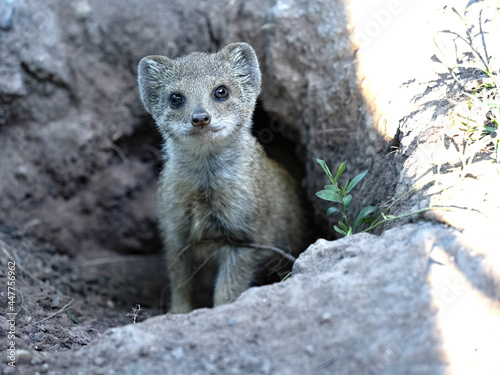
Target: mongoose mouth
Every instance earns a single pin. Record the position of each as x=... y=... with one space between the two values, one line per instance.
x=205 y=131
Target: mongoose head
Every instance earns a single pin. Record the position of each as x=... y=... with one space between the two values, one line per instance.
x=201 y=97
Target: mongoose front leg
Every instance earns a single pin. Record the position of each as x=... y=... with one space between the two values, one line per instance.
x=235 y=274
x=181 y=282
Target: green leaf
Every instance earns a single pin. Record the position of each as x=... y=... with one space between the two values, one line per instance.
x=355 y=181
x=347 y=202
x=331 y=187
x=331 y=211
x=363 y=214
x=326 y=169
x=329 y=195
x=344 y=227
x=339 y=172
x=338 y=230
x=344 y=188
x=368 y=220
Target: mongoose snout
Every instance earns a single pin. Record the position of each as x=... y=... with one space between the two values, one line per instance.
x=200 y=118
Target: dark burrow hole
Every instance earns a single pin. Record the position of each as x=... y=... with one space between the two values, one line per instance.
x=276 y=137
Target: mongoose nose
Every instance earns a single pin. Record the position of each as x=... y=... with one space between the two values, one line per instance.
x=200 y=118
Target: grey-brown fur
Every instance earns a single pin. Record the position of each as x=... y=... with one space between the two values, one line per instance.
x=218 y=189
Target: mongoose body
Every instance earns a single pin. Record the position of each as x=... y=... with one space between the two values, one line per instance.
x=218 y=192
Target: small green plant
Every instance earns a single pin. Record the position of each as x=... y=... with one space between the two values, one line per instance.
x=480 y=119
x=334 y=193
x=340 y=195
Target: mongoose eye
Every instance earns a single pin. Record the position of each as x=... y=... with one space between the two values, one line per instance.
x=221 y=92
x=176 y=100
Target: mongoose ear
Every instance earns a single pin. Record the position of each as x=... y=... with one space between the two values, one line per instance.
x=152 y=72
x=243 y=58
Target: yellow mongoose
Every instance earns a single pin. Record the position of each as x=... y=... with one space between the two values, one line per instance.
x=218 y=191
